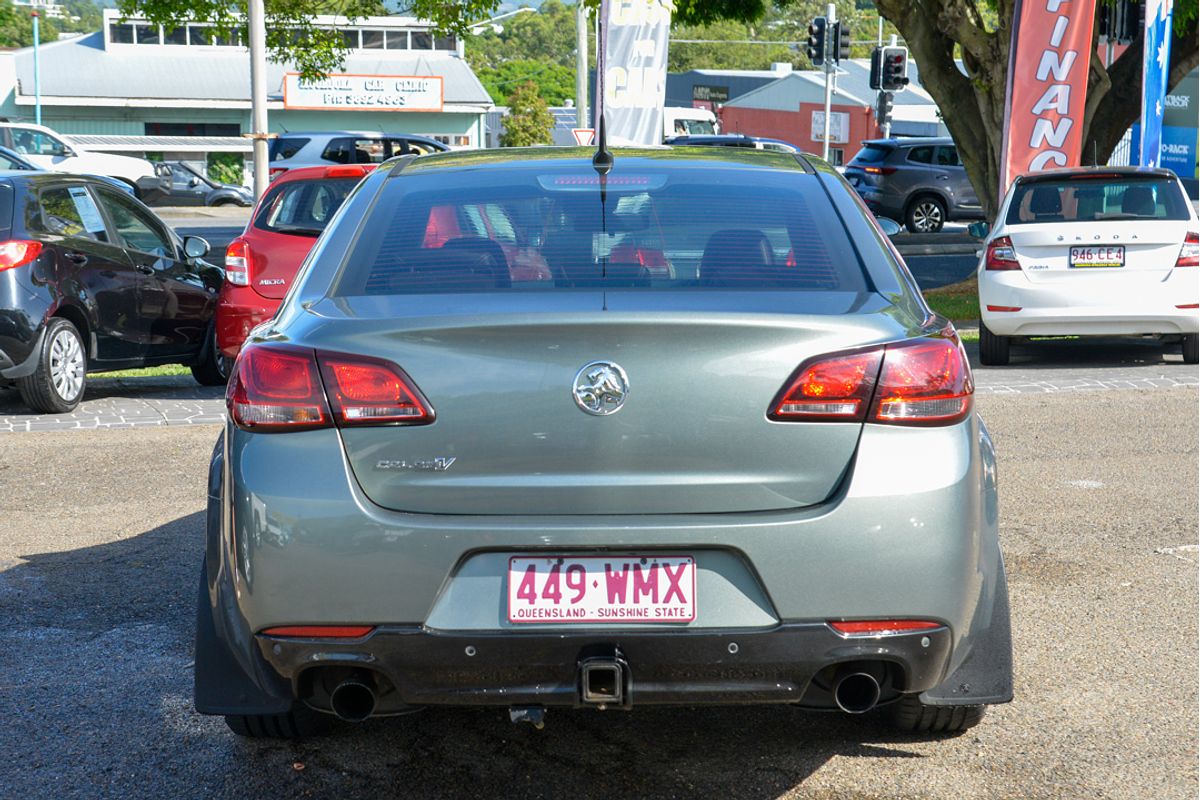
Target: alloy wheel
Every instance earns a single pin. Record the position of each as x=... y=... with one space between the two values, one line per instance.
x=927 y=216
x=66 y=365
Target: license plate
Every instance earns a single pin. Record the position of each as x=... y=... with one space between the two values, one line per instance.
x=601 y=589
x=1098 y=256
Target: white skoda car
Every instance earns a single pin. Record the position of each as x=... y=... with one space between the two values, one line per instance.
x=1097 y=251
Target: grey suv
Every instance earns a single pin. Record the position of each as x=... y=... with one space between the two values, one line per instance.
x=318 y=148
x=919 y=181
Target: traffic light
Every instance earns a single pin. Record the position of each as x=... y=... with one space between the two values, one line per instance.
x=894 y=69
x=876 y=68
x=841 y=39
x=883 y=109
x=816 y=41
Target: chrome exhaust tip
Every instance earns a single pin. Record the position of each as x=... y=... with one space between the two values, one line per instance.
x=855 y=692
x=353 y=700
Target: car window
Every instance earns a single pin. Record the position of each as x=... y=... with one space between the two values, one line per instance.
x=27 y=141
x=872 y=154
x=182 y=179
x=8 y=162
x=348 y=150
x=948 y=157
x=71 y=211
x=302 y=207
x=1096 y=199
x=921 y=155
x=137 y=229
x=404 y=146
x=459 y=232
x=287 y=147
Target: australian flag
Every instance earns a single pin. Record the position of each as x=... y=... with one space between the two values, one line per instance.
x=1156 y=61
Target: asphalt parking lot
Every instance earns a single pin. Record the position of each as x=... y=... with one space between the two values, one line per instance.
x=100 y=540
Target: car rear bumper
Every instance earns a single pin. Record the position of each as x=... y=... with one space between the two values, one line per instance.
x=239 y=311
x=292 y=546
x=418 y=667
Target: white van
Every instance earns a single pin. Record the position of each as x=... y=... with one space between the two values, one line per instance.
x=680 y=121
x=53 y=151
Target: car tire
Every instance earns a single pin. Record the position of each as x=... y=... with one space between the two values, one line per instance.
x=1191 y=348
x=993 y=349
x=56 y=385
x=925 y=214
x=299 y=723
x=213 y=369
x=910 y=714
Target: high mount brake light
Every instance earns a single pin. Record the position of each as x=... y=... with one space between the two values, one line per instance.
x=287 y=388
x=1001 y=255
x=879 y=627
x=921 y=382
x=18 y=253
x=348 y=171
x=1189 y=254
x=320 y=631
x=366 y=391
x=237 y=263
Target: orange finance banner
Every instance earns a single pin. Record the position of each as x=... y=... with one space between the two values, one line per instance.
x=1047 y=86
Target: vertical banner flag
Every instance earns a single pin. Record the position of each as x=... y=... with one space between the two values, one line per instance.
x=1048 y=62
x=1156 y=59
x=633 y=68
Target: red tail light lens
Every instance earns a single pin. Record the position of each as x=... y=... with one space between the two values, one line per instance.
x=1189 y=254
x=276 y=172
x=879 y=627
x=348 y=171
x=926 y=382
x=320 y=631
x=365 y=391
x=830 y=388
x=276 y=388
x=237 y=263
x=18 y=253
x=923 y=382
x=879 y=170
x=1001 y=255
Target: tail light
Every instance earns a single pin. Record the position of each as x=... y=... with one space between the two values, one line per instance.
x=18 y=253
x=1001 y=255
x=348 y=170
x=237 y=263
x=879 y=627
x=365 y=391
x=923 y=382
x=275 y=172
x=879 y=170
x=320 y=631
x=286 y=388
x=1189 y=254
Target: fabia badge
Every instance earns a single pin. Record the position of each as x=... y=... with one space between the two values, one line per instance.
x=425 y=464
x=601 y=388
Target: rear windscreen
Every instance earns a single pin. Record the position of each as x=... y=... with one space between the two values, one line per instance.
x=286 y=147
x=1097 y=199
x=303 y=208
x=871 y=154
x=489 y=230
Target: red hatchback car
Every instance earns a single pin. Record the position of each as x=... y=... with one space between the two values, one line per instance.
x=261 y=263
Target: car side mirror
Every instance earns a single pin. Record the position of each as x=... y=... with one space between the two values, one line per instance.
x=194 y=182
x=978 y=230
x=890 y=226
x=195 y=247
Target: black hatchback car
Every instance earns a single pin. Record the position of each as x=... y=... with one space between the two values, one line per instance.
x=91 y=280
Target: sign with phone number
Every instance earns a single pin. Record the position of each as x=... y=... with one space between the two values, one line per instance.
x=364 y=92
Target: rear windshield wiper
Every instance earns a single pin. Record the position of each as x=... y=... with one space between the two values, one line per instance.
x=298 y=230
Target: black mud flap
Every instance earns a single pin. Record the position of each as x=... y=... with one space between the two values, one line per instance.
x=986 y=675
x=221 y=684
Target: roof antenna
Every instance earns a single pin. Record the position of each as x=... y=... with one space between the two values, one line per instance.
x=602 y=162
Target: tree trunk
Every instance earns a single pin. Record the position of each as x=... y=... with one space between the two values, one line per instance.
x=972 y=105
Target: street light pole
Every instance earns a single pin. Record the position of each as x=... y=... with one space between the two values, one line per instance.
x=830 y=19
x=258 y=92
x=37 y=70
x=581 y=65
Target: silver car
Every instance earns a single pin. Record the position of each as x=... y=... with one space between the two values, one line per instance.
x=296 y=149
x=531 y=433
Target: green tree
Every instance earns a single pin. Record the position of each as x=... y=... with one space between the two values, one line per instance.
x=555 y=82
x=16 y=26
x=972 y=103
x=529 y=121
x=84 y=16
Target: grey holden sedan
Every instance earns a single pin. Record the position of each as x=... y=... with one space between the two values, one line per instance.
x=533 y=434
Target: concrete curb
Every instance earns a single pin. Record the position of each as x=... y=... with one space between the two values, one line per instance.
x=191 y=212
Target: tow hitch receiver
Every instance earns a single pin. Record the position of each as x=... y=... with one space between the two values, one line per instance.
x=605 y=681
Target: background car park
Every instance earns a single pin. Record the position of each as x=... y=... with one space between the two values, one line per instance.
x=190 y=187
x=1091 y=251
x=91 y=280
x=13 y=161
x=261 y=263
x=920 y=182
x=735 y=140
x=297 y=149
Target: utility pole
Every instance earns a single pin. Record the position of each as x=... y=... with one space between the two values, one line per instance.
x=37 y=70
x=830 y=19
x=258 y=92
x=581 y=65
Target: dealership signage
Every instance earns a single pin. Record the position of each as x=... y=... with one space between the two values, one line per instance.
x=839 y=127
x=363 y=93
x=710 y=94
